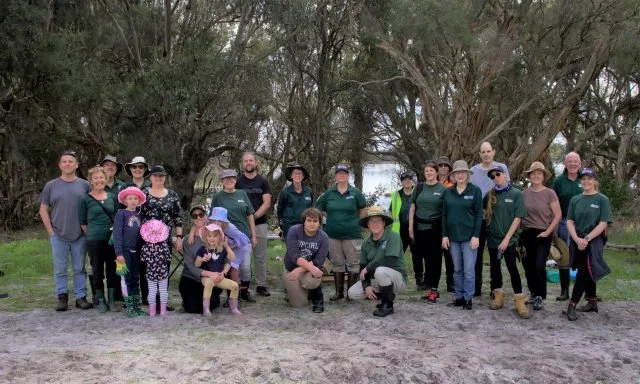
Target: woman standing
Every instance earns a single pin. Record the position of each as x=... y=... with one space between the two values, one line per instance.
x=587 y=221
x=425 y=228
x=538 y=227
x=162 y=204
x=138 y=169
x=461 y=222
x=343 y=206
x=97 y=210
x=240 y=213
x=293 y=199
x=504 y=210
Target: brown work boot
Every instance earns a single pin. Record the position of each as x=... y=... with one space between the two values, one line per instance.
x=63 y=302
x=82 y=303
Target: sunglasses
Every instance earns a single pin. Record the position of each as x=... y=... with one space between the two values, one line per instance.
x=197 y=215
x=494 y=175
x=138 y=166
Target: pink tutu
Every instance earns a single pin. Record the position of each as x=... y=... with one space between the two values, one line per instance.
x=154 y=231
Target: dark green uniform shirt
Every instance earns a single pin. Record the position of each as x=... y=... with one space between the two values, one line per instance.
x=428 y=204
x=98 y=222
x=386 y=252
x=238 y=208
x=291 y=204
x=462 y=213
x=509 y=205
x=587 y=211
x=145 y=184
x=343 y=212
x=115 y=188
x=566 y=189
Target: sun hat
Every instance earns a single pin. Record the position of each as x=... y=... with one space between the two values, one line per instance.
x=461 y=166
x=154 y=231
x=342 y=168
x=219 y=214
x=197 y=206
x=538 y=166
x=132 y=191
x=291 y=167
x=444 y=160
x=113 y=160
x=376 y=211
x=211 y=228
x=228 y=173
x=588 y=172
x=563 y=250
x=496 y=168
x=405 y=175
x=158 y=170
x=134 y=161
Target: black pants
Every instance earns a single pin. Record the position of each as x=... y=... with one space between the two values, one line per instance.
x=428 y=250
x=132 y=278
x=103 y=260
x=584 y=283
x=406 y=240
x=535 y=263
x=191 y=292
x=510 y=256
x=479 y=257
x=448 y=263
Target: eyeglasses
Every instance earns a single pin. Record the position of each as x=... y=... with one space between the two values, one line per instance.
x=138 y=166
x=197 y=215
x=494 y=175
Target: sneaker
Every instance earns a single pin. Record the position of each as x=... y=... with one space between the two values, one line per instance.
x=433 y=297
x=537 y=303
x=263 y=291
x=82 y=303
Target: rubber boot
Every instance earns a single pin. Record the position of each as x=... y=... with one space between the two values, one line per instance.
x=591 y=306
x=163 y=309
x=113 y=305
x=94 y=298
x=135 y=299
x=386 y=296
x=571 y=311
x=244 y=292
x=351 y=280
x=498 y=299
x=233 y=307
x=131 y=309
x=102 y=305
x=521 y=306
x=152 y=310
x=317 y=300
x=564 y=284
x=205 y=307
x=338 y=282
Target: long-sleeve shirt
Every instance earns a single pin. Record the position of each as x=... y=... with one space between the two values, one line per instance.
x=126 y=229
x=462 y=213
x=385 y=252
x=312 y=248
x=291 y=204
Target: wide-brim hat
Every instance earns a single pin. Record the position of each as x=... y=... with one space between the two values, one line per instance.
x=219 y=214
x=376 y=211
x=461 y=166
x=563 y=250
x=444 y=160
x=228 y=173
x=113 y=160
x=122 y=195
x=292 y=167
x=134 y=161
x=211 y=228
x=538 y=166
x=158 y=170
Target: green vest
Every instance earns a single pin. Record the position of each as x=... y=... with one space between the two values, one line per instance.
x=396 y=207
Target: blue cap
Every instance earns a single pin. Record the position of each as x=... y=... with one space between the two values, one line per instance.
x=219 y=214
x=588 y=172
x=342 y=168
x=406 y=175
x=496 y=168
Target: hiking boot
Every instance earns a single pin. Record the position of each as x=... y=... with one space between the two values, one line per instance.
x=571 y=311
x=521 y=307
x=456 y=303
x=591 y=306
x=63 y=302
x=498 y=299
x=82 y=303
x=468 y=304
x=262 y=291
x=537 y=303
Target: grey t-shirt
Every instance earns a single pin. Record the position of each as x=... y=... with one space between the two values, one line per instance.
x=63 y=197
x=481 y=180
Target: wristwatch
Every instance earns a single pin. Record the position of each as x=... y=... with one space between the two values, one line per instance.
x=587 y=238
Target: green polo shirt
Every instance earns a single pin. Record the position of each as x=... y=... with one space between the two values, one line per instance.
x=98 y=222
x=428 y=204
x=238 y=208
x=145 y=184
x=566 y=189
x=115 y=188
x=509 y=205
x=587 y=211
x=385 y=252
x=291 y=204
x=343 y=212
x=462 y=213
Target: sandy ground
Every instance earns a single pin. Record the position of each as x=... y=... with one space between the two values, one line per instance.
x=272 y=343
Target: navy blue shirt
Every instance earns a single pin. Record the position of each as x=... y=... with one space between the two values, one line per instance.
x=217 y=261
x=312 y=248
x=126 y=229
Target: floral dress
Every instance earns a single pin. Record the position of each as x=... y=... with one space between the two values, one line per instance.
x=166 y=209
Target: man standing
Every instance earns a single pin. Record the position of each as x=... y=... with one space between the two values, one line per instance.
x=59 y=202
x=259 y=192
x=112 y=167
x=567 y=185
x=480 y=179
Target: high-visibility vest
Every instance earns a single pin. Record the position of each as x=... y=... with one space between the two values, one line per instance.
x=396 y=205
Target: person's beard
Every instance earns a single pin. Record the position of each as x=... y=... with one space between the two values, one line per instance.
x=249 y=169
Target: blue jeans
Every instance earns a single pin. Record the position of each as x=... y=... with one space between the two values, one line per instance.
x=464 y=274
x=563 y=233
x=61 y=250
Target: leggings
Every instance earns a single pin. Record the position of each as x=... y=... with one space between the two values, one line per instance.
x=153 y=291
x=584 y=282
x=510 y=256
x=224 y=284
x=535 y=262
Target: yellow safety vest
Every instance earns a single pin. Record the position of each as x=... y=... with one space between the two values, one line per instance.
x=396 y=205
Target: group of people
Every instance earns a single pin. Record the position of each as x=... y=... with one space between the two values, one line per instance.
x=127 y=229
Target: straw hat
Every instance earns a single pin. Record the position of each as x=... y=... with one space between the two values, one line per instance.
x=538 y=166
x=376 y=211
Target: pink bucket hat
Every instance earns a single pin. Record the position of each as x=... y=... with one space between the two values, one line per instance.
x=212 y=228
x=131 y=191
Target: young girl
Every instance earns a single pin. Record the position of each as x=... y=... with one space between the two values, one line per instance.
x=214 y=257
x=156 y=254
x=126 y=229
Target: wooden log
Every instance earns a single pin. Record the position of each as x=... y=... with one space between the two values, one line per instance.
x=632 y=247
